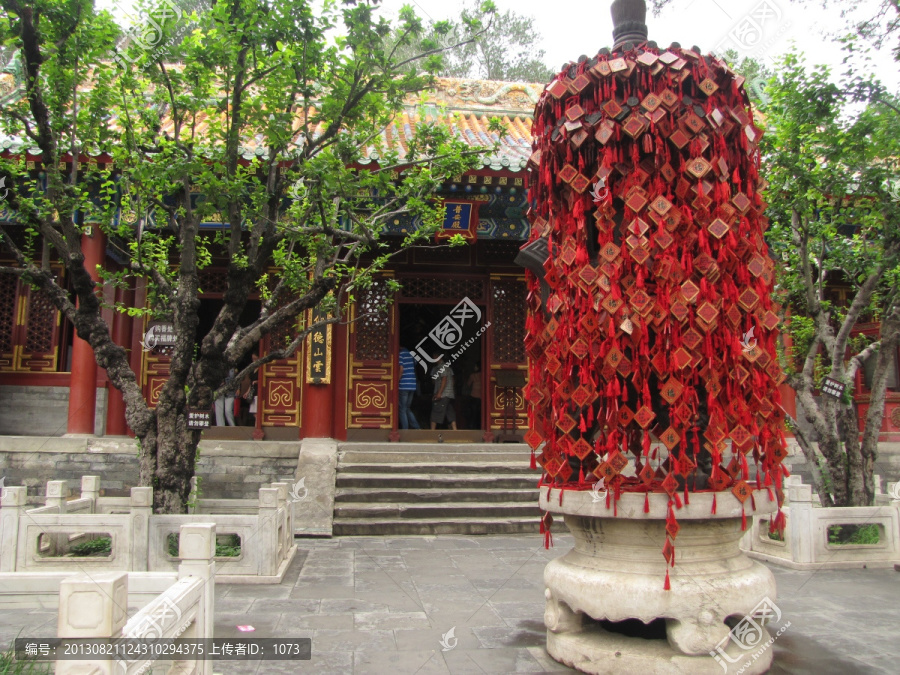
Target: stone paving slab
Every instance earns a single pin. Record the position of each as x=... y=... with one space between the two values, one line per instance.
x=375 y=605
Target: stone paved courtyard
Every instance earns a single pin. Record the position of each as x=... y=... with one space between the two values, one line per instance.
x=382 y=605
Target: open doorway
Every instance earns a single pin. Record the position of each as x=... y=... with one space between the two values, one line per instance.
x=416 y=322
x=244 y=412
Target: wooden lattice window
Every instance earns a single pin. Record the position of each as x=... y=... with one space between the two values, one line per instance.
x=508 y=323
x=213 y=280
x=430 y=288
x=373 y=325
x=8 y=284
x=41 y=324
x=499 y=250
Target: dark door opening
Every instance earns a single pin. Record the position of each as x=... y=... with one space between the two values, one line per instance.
x=244 y=414
x=416 y=322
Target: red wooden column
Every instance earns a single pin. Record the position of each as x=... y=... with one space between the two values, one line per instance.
x=317 y=419
x=121 y=335
x=83 y=387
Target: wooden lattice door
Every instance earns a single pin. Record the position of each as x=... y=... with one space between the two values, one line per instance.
x=279 y=381
x=30 y=327
x=371 y=395
x=507 y=347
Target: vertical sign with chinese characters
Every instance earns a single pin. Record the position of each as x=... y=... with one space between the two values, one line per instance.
x=318 y=350
x=458 y=220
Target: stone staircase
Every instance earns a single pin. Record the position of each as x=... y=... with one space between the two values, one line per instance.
x=435 y=488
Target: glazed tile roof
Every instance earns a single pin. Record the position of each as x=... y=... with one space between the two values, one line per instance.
x=468 y=105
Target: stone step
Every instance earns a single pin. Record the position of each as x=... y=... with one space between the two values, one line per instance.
x=444 y=511
x=432 y=526
x=493 y=494
x=481 y=468
x=517 y=481
x=446 y=448
x=432 y=457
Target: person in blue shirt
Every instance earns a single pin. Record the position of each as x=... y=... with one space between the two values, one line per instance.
x=407 y=390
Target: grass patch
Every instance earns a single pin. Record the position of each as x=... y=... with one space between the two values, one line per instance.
x=9 y=666
x=854 y=535
x=99 y=547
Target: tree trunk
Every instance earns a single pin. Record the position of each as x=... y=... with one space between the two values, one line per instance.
x=890 y=338
x=822 y=415
x=817 y=470
x=168 y=459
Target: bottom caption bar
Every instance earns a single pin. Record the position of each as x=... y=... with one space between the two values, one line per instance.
x=170 y=649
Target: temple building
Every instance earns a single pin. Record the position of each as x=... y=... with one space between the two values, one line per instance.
x=343 y=383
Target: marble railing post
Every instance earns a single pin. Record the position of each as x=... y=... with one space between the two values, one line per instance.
x=12 y=504
x=56 y=495
x=800 y=522
x=268 y=531
x=141 y=510
x=197 y=551
x=90 y=489
x=94 y=606
x=287 y=533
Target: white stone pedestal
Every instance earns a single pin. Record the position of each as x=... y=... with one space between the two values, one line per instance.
x=616 y=571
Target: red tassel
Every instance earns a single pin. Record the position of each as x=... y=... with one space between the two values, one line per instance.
x=533 y=460
x=646 y=502
x=668 y=585
x=743 y=520
x=548 y=540
x=714 y=504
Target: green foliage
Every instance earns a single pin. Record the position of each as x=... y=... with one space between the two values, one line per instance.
x=854 y=535
x=267 y=117
x=9 y=665
x=101 y=546
x=504 y=51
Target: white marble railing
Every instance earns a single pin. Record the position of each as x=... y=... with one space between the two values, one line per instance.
x=96 y=606
x=41 y=539
x=807 y=536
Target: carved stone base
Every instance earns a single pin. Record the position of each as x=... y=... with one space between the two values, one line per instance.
x=616 y=572
x=598 y=651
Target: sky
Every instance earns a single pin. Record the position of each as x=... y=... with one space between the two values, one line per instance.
x=765 y=29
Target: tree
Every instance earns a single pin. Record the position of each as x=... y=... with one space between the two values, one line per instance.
x=503 y=51
x=263 y=110
x=831 y=170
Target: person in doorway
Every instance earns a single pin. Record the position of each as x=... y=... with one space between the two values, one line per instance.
x=442 y=404
x=225 y=402
x=407 y=389
x=474 y=409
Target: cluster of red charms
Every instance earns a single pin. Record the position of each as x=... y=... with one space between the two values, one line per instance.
x=651 y=332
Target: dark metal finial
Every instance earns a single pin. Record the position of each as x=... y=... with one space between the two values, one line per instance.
x=629 y=22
